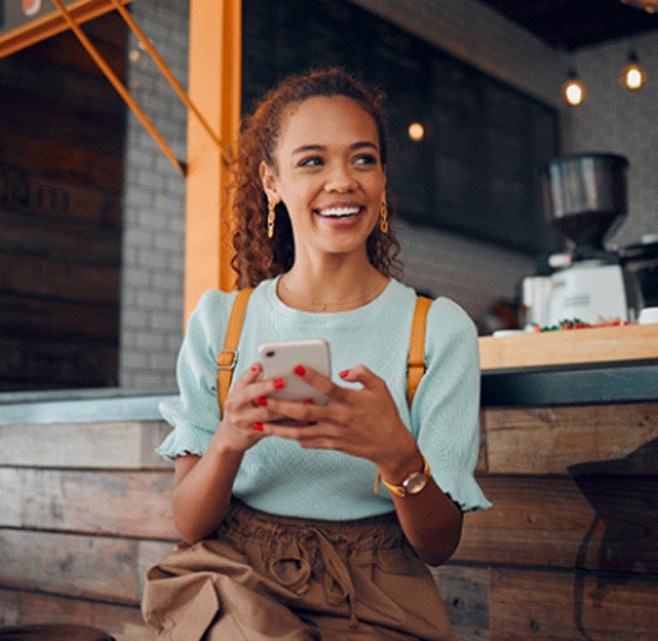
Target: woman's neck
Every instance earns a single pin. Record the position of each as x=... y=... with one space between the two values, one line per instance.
x=322 y=289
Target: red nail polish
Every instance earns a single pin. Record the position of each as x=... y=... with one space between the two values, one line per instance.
x=261 y=401
x=258 y=427
x=344 y=374
x=309 y=401
x=279 y=383
x=300 y=370
x=254 y=368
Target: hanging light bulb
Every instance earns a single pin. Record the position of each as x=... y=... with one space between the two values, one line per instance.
x=633 y=75
x=573 y=90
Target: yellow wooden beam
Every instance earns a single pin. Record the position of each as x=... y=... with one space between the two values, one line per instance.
x=52 y=24
x=215 y=87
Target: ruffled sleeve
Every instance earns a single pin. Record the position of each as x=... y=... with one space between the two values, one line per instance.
x=445 y=410
x=194 y=413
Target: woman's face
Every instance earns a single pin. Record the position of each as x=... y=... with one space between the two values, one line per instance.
x=328 y=174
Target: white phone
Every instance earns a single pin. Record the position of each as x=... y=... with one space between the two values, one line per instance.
x=280 y=359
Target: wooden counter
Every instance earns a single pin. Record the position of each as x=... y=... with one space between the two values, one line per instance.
x=567 y=347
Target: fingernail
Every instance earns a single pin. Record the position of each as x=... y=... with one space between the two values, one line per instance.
x=279 y=383
x=262 y=401
x=300 y=370
x=344 y=374
x=254 y=368
x=258 y=427
x=309 y=401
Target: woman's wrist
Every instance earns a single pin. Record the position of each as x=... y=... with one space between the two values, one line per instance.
x=405 y=460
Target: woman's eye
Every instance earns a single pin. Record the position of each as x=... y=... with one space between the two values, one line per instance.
x=311 y=161
x=365 y=159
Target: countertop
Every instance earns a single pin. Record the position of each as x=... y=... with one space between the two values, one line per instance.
x=571 y=367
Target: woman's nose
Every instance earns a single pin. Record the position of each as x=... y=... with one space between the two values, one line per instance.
x=340 y=179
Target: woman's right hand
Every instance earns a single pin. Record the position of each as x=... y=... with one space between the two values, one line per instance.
x=245 y=411
x=204 y=484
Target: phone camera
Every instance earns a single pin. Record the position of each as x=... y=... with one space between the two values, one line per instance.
x=270 y=353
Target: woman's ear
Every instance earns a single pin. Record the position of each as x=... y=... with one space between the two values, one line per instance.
x=267 y=177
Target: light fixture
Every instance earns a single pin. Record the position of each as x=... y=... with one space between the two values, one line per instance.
x=633 y=76
x=573 y=90
x=650 y=6
x=416 y=131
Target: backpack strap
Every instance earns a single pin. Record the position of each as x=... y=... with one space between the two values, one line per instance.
x=228 y=357
x=416 y=365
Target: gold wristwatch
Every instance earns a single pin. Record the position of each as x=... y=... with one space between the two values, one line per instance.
x=413 y=484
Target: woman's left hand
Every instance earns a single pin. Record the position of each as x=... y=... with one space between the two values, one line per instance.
x=360 y=422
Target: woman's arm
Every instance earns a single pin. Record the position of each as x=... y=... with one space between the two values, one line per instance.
x=203 y=484
x=366 y=423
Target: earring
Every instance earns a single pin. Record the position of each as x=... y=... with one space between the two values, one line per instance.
x=383 y=215
x=271 y=216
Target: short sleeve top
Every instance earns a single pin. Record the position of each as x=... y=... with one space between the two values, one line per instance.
x=276 y=475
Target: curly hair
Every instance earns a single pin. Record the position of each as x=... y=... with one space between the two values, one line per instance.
x=258 y=257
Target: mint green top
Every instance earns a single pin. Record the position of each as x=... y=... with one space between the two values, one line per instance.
x=279 y=477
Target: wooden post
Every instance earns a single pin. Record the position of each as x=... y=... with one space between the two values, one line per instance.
x=214 y=86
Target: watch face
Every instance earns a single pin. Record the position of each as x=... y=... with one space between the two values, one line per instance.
x=415 y=483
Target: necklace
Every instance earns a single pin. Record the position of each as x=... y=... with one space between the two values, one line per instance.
x=311 y=303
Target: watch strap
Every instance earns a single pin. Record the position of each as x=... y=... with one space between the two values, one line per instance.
x=400 y=490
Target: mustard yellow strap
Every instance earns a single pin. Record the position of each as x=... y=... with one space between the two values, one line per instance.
x=398 y=490
x=227 y=358
x=416 y=365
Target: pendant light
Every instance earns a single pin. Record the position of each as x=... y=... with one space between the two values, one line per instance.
x=633 y=76
x=573 y=90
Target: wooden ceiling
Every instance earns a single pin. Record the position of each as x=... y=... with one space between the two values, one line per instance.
x=571 y=24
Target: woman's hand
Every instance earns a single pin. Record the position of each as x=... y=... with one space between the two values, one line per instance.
x=360 y=422
x=245 y=411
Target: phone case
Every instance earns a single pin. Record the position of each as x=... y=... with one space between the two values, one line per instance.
x=280 y=359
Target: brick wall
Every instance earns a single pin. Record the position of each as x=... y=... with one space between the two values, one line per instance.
x=154 y=204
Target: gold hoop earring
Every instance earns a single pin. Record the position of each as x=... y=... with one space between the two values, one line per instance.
x=383 y=215
x=271 y=216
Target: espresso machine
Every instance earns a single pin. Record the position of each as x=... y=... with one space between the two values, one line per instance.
x=585 y=198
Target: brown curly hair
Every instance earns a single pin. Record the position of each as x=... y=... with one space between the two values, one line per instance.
x=258 y=257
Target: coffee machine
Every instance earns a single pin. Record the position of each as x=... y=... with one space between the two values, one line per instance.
x=585 y=198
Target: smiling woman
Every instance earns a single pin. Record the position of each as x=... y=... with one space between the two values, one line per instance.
x=274 y=498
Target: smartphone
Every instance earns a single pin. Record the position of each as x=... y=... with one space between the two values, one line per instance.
x=280 y=359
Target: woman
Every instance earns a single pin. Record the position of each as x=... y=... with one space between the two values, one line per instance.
x=284 y=537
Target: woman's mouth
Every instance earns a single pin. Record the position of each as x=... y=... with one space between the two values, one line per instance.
x=348 y=211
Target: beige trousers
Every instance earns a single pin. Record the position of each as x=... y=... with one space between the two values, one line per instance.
x=271 y=578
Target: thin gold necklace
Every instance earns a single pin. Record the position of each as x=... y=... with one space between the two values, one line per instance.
x=315 y=304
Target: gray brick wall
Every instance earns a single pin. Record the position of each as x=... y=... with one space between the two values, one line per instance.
x=154 y=204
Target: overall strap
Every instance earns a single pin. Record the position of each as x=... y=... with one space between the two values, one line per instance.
x=416 y=365
x=227 y=358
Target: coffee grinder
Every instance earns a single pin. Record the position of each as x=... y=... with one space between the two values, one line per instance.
x=585 y=198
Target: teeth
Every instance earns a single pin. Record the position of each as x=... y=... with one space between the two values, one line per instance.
x=339 y=212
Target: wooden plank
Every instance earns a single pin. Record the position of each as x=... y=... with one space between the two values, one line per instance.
x=60 y=198
x=465 y=592
x=123 y=622
x=58 y=279
x=61 y=159
x=57 y=320
x=29 y=363
x=90 y=567
x=127 y=504
x=549 y=440
x=593 y=522
x=605 y=344
x=547 y=606
x=120 y=445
